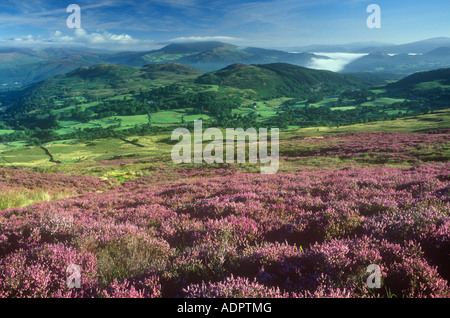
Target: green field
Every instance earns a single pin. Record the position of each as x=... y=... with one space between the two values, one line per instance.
x=426 y=86
x=343 y=108
x=6 y=131
x=383 y=101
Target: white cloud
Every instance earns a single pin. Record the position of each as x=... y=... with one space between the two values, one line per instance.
x=80 y=37
x=28 y=38
x=83 y=37
x=80 y=32
x=205 y=38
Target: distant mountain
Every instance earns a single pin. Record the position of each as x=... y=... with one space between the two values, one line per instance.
x=30 y=73
x=10 y=57
x=441 y=52
x=211 y=56
x=420 y=47
x=26 y=66
x=380 y=62
x=343 y=48
x=194 y=47
x=279 y=79
x=170 y=53
x=216 y=58
x=20 y=66
x=414 y=47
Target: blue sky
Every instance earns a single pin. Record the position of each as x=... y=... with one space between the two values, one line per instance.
x=144 y=25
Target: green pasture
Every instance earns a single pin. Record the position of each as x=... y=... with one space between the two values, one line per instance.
x=6 y=131
x=383 y=101
x=426 y=86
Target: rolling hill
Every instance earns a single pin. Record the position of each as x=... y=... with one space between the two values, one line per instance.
x=98 y=81
x=10 y=57
x=169 y=71
x=261 y=80
x=116 y=100
x=26 y=66
x=410 y=82
x=279 y=79
x=432 y=85
x=92 y=96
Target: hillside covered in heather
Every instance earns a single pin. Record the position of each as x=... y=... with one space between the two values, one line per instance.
x=339 y=203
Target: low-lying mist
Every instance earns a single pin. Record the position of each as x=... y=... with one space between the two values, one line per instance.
x=336 y=63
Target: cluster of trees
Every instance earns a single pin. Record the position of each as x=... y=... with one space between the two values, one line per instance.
x=161 y=93
x=38 y=136
x=211 y=103
x=16 y=135
x=439 y=96
x=174 y=96
x=79 y=114
x=324 y=116
x=111 y=131
x=239 y=121
x=358 y=95
x=124 y=107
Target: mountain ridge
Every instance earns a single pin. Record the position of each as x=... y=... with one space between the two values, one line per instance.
x=22 y=66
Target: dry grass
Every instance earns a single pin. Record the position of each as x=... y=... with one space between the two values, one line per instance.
x=24 y=197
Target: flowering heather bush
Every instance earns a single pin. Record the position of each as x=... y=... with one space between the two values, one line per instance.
x=235 y=234
x=233 y=288
x=147 y=287
x=379 y=147
x=13 y=179
x=40 y=271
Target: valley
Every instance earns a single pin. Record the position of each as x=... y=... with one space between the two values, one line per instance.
x=108 y=100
